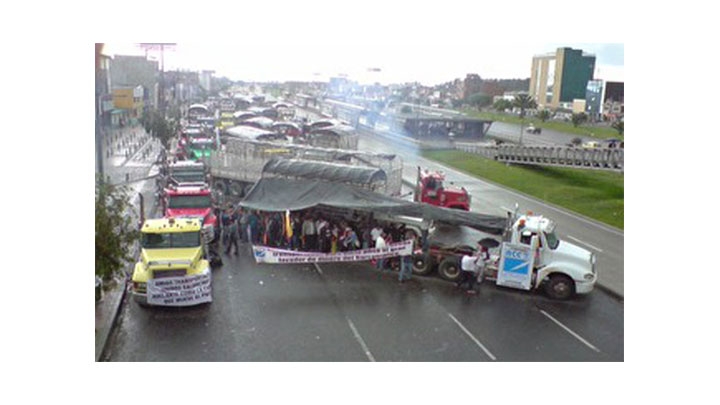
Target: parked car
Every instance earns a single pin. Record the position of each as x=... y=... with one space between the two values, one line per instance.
x=532 y=129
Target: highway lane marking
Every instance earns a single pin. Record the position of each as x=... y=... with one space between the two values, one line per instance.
x=568 y=330
x=360 y=340
x=353 y=328
x=467 y=332
x=585 y=243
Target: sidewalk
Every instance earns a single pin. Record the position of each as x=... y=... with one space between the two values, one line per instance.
x=106 y=312
x=109 y=306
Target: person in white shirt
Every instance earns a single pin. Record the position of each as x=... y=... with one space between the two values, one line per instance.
x=473 y=268
x=379 y=244
x=375 y=232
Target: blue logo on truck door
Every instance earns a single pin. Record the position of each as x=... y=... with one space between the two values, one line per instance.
x=516 y=266
x=516 y=262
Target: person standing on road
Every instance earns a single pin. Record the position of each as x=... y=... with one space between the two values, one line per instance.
x=468 y=273
x=243 y=234
x=380 y=244
x=406 y=261
x=484 y=257
x=253 y=227
x=230 y=221
x=321 y=226
x=473 y=268
x=374 y=233
x=309 y=233
x=297 y=232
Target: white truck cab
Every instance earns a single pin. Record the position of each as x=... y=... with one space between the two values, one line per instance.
x=563 y=268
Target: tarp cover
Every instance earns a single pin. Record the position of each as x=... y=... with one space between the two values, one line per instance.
x=324 y=170
x=276 y=194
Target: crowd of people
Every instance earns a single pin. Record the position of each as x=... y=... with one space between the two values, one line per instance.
x=314 y=231
x=310 y=231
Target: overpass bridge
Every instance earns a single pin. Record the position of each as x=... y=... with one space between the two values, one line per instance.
x=611 y=159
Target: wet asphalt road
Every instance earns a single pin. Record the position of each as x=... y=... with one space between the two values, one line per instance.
x=352 y=312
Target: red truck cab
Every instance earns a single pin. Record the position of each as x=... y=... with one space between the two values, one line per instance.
x=430 y=189
x=191 y=202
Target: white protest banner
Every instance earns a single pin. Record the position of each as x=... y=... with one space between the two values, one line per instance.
x=264 y=254
x=180 y=291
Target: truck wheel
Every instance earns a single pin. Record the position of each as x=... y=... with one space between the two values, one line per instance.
x=394 y=263
x=560 y=287
x=236 y=189
x=423 y=265
x=220 y=187
x=449 y=269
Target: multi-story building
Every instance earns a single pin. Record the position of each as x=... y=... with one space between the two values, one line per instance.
x=560 y=77
x=129 y=99
x=206 y=80
x=605 y=100
x=471 y=85
x=131 y=71
x=102 y=89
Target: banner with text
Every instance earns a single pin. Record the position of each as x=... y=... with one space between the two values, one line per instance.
x=264 y=254
x=180 y=291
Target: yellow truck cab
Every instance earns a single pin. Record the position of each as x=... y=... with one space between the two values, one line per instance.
x=172 y=270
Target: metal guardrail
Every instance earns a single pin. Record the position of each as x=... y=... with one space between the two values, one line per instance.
x=611 y=159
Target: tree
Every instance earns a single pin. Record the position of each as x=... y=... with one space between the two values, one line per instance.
x=157 y=125
x=544 y=115
x=619 y=126
x=524 y=102
x=579 y=118
x=114 y=230
x=502 y=105
x=480 y=100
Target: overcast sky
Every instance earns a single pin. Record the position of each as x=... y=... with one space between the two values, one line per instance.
x=431 y=42
x=427 y=62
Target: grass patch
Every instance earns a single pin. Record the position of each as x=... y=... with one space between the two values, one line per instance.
x=595 y=194
x=560 y=126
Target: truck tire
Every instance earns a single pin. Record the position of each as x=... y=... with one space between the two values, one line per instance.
x=236 y=189
x=423 y=264
x=220 y=187
x=559 y=287
x=449 y=269
x=394 y=263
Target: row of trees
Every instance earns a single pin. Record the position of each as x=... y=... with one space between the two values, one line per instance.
x=525 y=102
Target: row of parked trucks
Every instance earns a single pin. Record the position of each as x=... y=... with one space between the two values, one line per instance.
x=178 y=249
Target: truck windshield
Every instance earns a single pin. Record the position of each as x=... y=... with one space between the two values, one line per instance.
x=201 y=145
x=189 y=201
x=170 y=240
x=552 y=240
x=188 y=177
